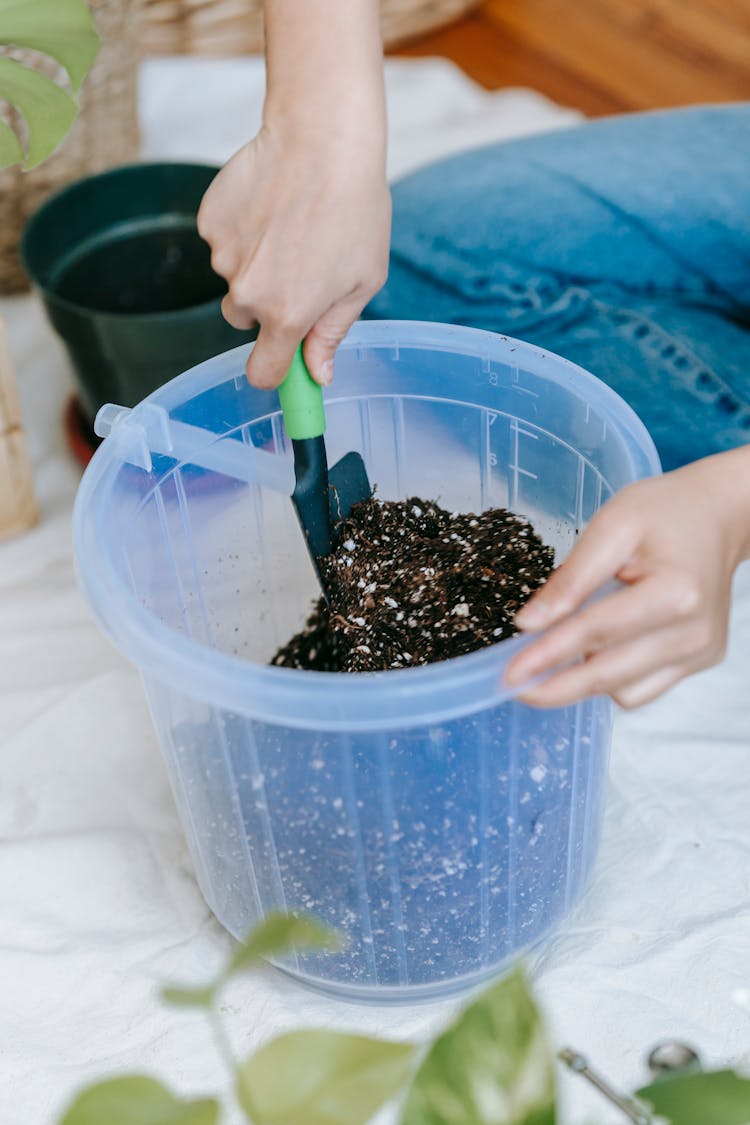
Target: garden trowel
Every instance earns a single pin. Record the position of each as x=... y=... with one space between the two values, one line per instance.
x=322 y=497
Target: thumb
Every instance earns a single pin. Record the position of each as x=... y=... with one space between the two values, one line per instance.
x=605 y=546
x=325 y=336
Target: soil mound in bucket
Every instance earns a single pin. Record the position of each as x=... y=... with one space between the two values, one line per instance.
x=411 y=583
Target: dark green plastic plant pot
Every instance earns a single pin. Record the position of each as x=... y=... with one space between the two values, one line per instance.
x=127 y=280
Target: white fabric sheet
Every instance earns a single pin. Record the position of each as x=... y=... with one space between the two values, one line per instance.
x=97 y=899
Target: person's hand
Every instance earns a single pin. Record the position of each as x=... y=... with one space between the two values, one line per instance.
x=299 y=220
x=674 y=542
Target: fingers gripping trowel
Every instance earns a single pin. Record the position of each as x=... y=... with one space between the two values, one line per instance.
x=322 y=497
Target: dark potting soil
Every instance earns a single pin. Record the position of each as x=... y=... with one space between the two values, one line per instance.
x=411 y=584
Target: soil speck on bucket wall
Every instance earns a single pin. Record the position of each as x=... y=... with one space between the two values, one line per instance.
x=411 y=583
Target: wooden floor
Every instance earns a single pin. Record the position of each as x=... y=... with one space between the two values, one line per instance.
x=605 y=56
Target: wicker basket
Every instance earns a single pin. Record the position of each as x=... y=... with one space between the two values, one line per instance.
x=18 y=508
x=235 y=27
x=105 y=134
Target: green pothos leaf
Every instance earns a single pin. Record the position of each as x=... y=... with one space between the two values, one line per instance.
x=719 y=1097
x=48 y=111
x=322 y=1078
x=11 y=151
x=278 y=933
x=138 y=1100
x=63 y=30
x=493 y=1066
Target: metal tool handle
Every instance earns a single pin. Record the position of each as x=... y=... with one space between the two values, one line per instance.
x=634 y=1110
x=148 y=430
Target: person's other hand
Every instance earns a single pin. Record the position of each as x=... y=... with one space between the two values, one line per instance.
x=674 y=542
x=299 y=226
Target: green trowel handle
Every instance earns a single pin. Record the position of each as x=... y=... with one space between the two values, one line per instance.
x=302 y=402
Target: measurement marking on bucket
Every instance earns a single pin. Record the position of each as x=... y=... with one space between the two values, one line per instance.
x=487 y=459
x=580 y=483
x=515 y=466
x=365 y=432
x=518 y=386
x=399 y=441
x=598 y=497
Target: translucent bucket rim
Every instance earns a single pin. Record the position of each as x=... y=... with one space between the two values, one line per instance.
x=323 y=700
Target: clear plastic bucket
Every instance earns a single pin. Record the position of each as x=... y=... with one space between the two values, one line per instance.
x=441 y=825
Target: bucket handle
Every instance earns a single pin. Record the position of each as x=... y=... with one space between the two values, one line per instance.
x=148 y=430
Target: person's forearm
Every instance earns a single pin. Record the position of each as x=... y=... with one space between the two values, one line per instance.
x=738 y=481
x=742 y=459
x=726 y=476
x=324 y=60
x=299 y=219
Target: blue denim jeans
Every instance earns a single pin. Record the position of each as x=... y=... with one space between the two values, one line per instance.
x=623 y=245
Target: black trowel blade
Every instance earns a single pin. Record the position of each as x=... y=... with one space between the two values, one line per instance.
x=324 y=497
x=311 y=495
x=348 y=484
